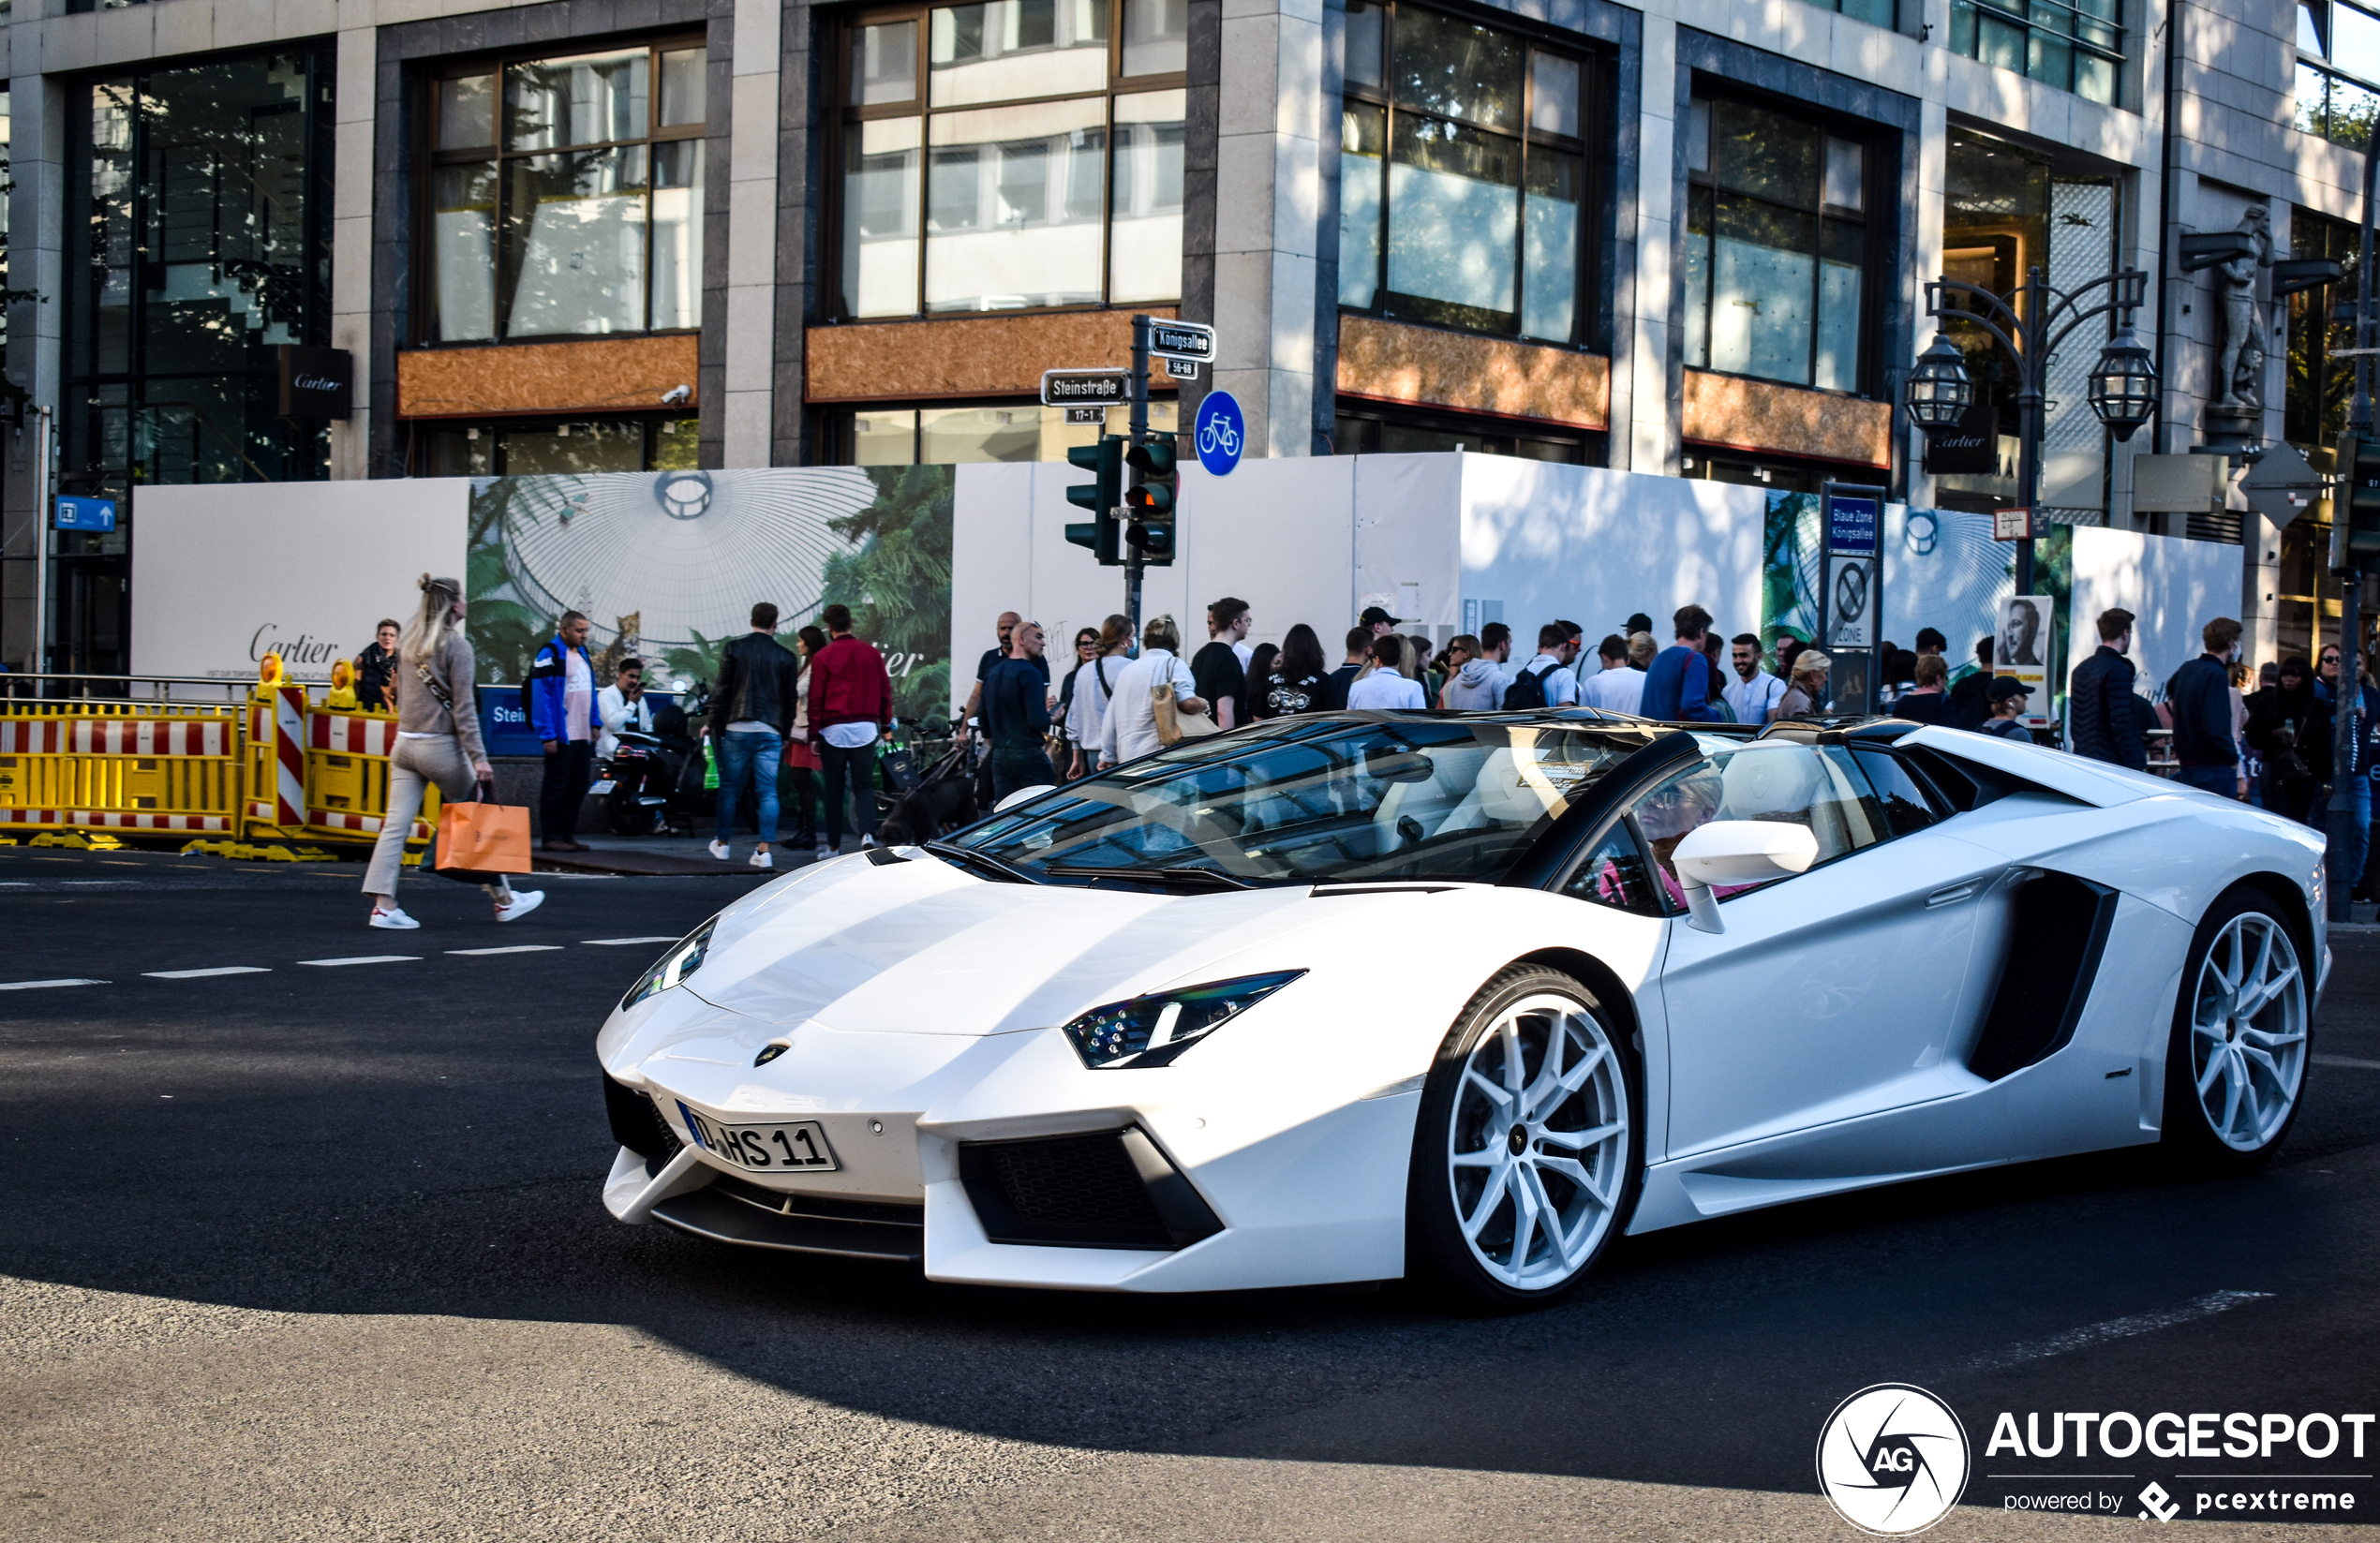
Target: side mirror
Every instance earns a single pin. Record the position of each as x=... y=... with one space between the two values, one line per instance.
x=1737 y=852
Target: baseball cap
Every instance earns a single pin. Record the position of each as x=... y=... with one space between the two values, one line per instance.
x=2004 y=687
x=1374 y=616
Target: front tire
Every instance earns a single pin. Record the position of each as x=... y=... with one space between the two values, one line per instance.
x=2236 y=1065
x=1530 y=1145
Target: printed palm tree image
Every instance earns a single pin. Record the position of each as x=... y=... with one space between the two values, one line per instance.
x=896 y=582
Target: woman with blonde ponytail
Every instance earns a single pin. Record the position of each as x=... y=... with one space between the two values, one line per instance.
x=438 y=742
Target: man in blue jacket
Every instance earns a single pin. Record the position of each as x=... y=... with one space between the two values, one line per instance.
x=558 y=696
x=1677 y=684
x=2199 y=698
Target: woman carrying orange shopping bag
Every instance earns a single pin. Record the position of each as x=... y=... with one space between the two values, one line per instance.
x=437 y=741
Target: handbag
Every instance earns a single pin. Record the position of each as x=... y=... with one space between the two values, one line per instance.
x=1173 y=724
x=476 y=837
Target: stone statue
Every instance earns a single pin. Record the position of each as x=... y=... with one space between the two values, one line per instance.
x=2239 y=363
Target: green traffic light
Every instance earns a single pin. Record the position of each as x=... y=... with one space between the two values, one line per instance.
x=1103 y=460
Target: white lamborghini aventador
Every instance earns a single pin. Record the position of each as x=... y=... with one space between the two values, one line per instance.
x=1363 y=995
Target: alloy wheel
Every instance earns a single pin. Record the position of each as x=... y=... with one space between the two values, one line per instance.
x=1538 y=1142
x=2248 y=1031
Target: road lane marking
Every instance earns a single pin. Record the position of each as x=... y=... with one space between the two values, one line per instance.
x=2358 y=1063
x=2118 y=1329
x=517 y=948
x=202 y=974
x=43 y=986
x=368 y=959
x=620 y=942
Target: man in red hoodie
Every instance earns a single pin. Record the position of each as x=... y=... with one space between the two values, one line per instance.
x=850 y=710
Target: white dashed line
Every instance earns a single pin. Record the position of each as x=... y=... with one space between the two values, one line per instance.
x=43 y=986
x=202 y=974
x=517 y=948
x=620 y=942
x=2357 y=1062
x=368 y=959
x=2119 y=1329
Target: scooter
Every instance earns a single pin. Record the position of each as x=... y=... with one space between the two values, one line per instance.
x=656 y=780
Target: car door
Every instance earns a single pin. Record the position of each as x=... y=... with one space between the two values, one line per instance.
x=1831 y=993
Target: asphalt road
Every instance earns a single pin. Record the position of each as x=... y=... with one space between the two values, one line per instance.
x=315 y=1251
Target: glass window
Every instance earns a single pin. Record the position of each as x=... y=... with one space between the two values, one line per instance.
x=1461 y=176
x=1875 y=13
x=2339 y=102
x=1776 y=247
x=588 y=220
x=1615 y=874
x=513 y=449
x=1029 y=177
x=944 y=434
x=197 y=220
x=2072 y=44
x=1300 y=800
x=1899 y=799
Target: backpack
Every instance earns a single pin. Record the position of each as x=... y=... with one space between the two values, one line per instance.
x=1527 y=688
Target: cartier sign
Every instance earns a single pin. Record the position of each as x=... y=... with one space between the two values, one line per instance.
x=316 y=382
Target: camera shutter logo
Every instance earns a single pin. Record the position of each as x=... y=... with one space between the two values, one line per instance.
x=1893 y=1460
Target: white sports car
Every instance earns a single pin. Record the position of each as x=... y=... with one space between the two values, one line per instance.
x=1358 y=996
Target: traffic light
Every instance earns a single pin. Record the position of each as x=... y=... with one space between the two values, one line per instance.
x=1151 y=498
x=1105 y=462
x=2354 y=513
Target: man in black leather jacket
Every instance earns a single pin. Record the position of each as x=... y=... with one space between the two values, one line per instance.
x=2105 y=716
x=751 y=710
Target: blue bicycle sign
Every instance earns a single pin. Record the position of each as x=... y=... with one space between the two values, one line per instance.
x=1221 y=431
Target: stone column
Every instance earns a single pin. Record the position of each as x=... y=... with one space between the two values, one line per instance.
x=37 y=261
x=352 y=191
x=1648 y=439
x=1268 y=208
x=747 y=398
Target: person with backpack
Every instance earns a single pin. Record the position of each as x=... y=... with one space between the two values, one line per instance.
x=1547 y=680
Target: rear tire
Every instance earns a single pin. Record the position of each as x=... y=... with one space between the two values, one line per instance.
x=2235 y=1065
x=1530 y=1147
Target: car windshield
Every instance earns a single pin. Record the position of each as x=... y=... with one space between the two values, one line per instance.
x=1305 y=799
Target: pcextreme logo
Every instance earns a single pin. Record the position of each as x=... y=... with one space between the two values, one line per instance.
x=1892 y=1459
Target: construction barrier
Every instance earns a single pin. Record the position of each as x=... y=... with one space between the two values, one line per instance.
x=279 y=768
x=120 y=766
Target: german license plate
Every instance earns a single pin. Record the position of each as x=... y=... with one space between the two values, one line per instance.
x=799 y=1147
x=601 y=788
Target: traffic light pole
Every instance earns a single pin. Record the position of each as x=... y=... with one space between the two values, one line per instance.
x=1139 y=436
x=2345 y=762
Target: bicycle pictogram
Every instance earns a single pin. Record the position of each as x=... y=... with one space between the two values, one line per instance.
x=1218 y=436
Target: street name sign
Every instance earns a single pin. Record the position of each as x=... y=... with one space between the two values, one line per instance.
x=1180 y=369
x=1190 y=340
x=1085 y=388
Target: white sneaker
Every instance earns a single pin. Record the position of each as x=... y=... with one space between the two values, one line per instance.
x=867 y=842
x=393 y=921
x=823 y=853
x=524 y=902
x=763 y=859
x=719 y=850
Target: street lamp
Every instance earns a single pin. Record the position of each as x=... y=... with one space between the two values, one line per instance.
x=2030 y=324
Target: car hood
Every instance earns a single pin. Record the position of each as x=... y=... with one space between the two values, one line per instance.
x=923 y=947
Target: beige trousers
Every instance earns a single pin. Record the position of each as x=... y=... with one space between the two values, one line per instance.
x=414 y=766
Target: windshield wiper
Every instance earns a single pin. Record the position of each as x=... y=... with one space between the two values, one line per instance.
x=982 y=863
x=1179 y=873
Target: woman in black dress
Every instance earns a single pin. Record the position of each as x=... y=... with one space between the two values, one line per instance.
x=1294 y=683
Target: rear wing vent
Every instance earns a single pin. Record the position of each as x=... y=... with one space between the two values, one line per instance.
x=2057 y=932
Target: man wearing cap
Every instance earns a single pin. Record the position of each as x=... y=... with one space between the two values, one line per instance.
x=1377 y=618
x=2007 y=695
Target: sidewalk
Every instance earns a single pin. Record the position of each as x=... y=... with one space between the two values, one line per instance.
x=662 y=854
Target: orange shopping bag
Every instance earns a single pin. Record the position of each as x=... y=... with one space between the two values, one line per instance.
x=482 y=839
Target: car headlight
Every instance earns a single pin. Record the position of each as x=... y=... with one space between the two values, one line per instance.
x=673 y=967
x=1151 y=1031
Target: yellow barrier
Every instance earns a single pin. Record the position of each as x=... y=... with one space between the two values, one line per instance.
x=120 y=766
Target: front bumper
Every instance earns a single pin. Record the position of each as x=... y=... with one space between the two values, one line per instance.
x=1152 y=1193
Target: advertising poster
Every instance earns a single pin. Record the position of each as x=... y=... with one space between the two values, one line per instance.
x=667 y=566
x=2021 y=647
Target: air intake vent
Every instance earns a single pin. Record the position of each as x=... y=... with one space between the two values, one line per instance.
x=636 y=1124
x=1110 y=1190
x=2059 y=930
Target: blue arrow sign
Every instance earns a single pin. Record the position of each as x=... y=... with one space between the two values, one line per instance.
x=92 y=515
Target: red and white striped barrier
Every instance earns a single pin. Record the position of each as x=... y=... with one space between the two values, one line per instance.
x=349 y=733
x=364 y=825
x=289 y=756
x=114 y=820
x=142 y=737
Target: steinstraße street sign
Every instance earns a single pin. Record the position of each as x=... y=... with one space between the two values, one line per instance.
x=1190 y=340
x=1085 y=388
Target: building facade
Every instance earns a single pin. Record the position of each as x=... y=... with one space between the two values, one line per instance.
x=1688 y=238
